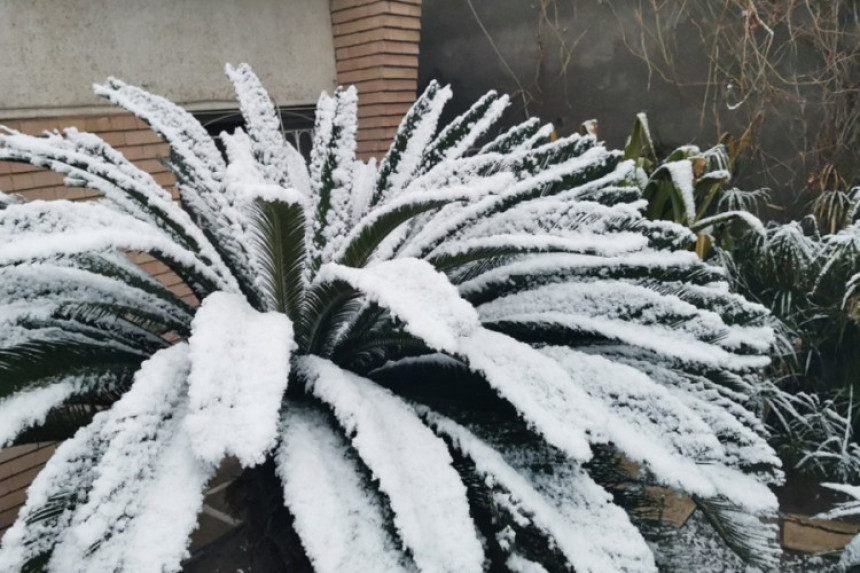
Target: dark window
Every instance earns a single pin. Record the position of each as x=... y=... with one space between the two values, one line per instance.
x=297 y=123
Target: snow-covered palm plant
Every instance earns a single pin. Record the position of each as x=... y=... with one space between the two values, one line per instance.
x=442 y=357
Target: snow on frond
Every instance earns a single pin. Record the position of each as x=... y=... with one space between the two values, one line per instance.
x=735 y=199
x=632 y=304
x=587 y=243
x=555 y=216
x=53 y=497
x=416 y=294
x=592 y=532
x=789 y=250
x=45 y=229
x=196 y=162
x=332 y=162
x=412 y=465
x=124 y=491
x=846 y=508
x=542 y=268
x=522 y=136
x=401 y=163
x=377 y=226
x=414 y=134
x=539 y=388
x=144 y=475
x=440 y=229
x=658 y=430
x=716 y=297
x=841 y=251
x=7 y=199
x=756 y=540
x=681 y=173
x=851 y=554
x=29 y=408
x=741 y=433
x=280 y=162
x=540 y=137
x=90 y=162
x=458 y=136
x=240 y=360
x=187 y=137
x=342 y=527
x=364 y=182
x=273 y=227
x=53 y=287
x=753 y=222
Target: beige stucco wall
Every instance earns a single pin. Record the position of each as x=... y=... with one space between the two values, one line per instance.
x=54 y=50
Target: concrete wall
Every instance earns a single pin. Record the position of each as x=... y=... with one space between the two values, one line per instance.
x=572 y=61
x=53 y=51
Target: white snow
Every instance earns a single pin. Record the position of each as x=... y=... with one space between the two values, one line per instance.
x=70 y=470
x=178 y=127
x=281 y=163
x=428 y=199
x=340 y=523
x=580 y=517
x=635 y=315
x=29 y=408
x=681 y=173
x=475 y=129
x=363 y=186
x=416 y=294
x=42 y=229
x=399 y=171
x=203 y=193
x=240 y=364
x=147 y=488
x=654 y=428
x=539 y=388
x=143 y=487
x=412 y=465
x=39 y=289
x=89 y=161
x=608 y=245
x=438 y=230
x=548 y=264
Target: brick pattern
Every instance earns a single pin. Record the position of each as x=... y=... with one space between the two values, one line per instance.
x=376 y=50
x=19 y=465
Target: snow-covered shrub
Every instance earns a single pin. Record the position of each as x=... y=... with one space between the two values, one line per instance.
x=808 y=278
x=689 y=187
x=443 y=356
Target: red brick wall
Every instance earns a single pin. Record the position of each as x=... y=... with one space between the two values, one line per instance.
x=376 y=50
x=18 y=467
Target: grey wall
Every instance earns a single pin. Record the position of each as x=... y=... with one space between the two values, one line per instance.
x=54 y=50
x=575 y=64
x=602 y=80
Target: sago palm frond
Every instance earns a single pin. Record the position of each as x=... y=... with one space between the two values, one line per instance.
x=427 y=353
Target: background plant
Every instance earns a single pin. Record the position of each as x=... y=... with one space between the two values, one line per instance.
x=805 y=273
x=690 y=187
x=774 y=73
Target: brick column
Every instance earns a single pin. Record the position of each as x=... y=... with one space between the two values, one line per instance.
x=376 y=50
